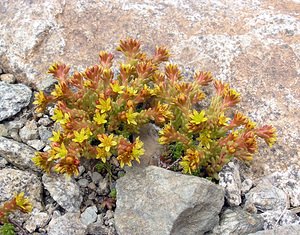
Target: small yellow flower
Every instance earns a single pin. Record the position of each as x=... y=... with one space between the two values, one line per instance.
x=23 y=203
x=198 y=118
x=137 y=149
x=223 y=120
x=107 y=141
x=117 y=88
x=131 y=116
x=81 y=136
x=131 y=91
x=190 y=162
x=59 y=152
x=57 y=91
x=60 y=117
x=55 y=136
x=100 y=118
x=87 y=83
x=104 y=105
x=102 y=154
x=39 y=98
x=205 y=139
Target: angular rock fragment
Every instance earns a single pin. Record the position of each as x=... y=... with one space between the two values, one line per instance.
x=288 y=230
x=238 y=221
x=29 y=131
x=69 y=223
x=64 y=191
x=13 y=97
x=157 y=201
x=230 y=180
x=17 y=153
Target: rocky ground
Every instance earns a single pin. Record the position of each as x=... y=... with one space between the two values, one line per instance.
x=254 y=45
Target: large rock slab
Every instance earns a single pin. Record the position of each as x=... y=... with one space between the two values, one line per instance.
x=17 y=153
x=64 y=191
x=13 y=97
x=252 y=44
x=155 y=201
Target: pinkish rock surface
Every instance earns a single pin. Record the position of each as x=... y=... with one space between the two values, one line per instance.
x=254 y=45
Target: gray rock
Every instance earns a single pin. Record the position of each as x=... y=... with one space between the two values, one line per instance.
x=8 y=78
x=246 y=186
x=29 y=131
x=37 y=220
x=266 y=197
x=64 y=191
x=68 y=224
x=284 y=230
x=16 y=124
x=3 y=130
x=96 y=177
x=45 y=121
x=45 y=133
x=89 y=215
x=3 y=162
x=103 y=187
x=13 y=97
x=288 y=181
x=17 y=153
x=83 y=183
x=15 y=181
x=158 y=201
x=238 y=221
x=279 y=217
x=230 y=180
x=99 y=229
x=36 y=144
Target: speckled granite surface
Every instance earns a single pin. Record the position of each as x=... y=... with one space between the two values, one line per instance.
x=254 y=45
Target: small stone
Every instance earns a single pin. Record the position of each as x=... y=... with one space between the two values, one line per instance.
x=282 y=230
x=69 y=223
x=92 y=196
x=89 y=215
x=3 y=130
x=37 y=220
x=45 y=121
x=29 y=131
x=64 y=191
x=103 y=187
x=36 y=144
x=3 y=162
x=8 y=78
x=96 y=177
x=46 y=84
x=246 y=186
x=44 y=134
x=46 y=148
x=16 y=124
x=14 y=134
x=108 y=215
x=92 y=186
x=13 y=97
x=83 y=183
x=230 y=180
x=266 y=197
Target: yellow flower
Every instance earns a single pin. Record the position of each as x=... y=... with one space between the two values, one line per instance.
x=137 y=149
x=102 y=154
x=250 y=124
x=87 y=83
x=55 y=136
x=57 y=91
x=107 y=141
x=81 y=136
x=23 y=203
x=131 y=91
x=100 y=118
x=198 y=118
x=190 y=162
x=117 y=88
x=59 y=152
x=39 y=98
x=104 y=105
x=60 y=117
x=205 y=139
x=131 y=116
x=223 y=120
